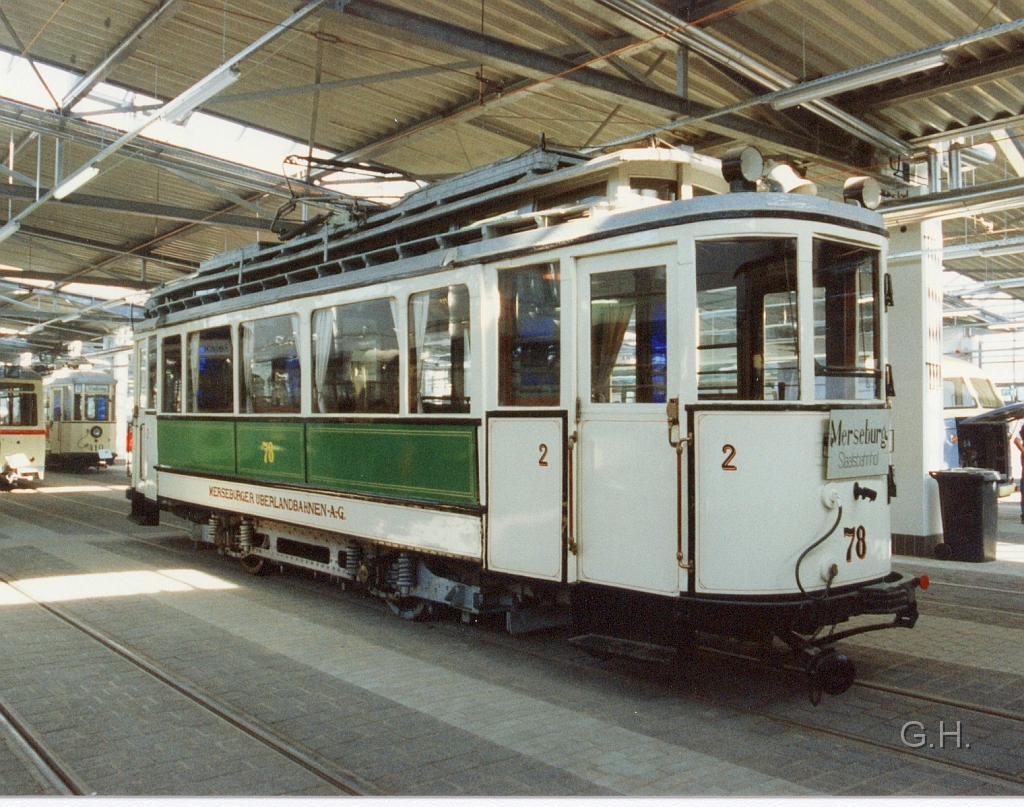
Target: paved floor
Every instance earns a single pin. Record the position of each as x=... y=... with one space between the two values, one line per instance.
x=440 y=708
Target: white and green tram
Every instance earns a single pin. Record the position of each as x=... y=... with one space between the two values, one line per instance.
x=607 y=389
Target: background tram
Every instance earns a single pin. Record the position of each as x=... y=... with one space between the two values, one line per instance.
x=605 y=389
x=22 y=434
x=79 y=419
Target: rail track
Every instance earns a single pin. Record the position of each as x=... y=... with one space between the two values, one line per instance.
x=667 y=678
x=66 y=782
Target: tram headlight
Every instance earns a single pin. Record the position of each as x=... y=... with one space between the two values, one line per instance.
x=96 y=432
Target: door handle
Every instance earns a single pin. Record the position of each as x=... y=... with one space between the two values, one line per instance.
x=675 y=438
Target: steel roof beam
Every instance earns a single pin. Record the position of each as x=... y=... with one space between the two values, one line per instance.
x=121 y=51
x=163 y=155
x=949 y=79
x=543 y=67
x=135 y=208
x=104 y=246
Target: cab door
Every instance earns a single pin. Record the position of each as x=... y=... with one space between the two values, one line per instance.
x=628 y=506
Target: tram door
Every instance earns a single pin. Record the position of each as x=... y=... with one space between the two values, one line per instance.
x=144 y=447
x=526 y=444
x=627 y=504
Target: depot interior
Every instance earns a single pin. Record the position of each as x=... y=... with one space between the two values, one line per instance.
x=144 y=137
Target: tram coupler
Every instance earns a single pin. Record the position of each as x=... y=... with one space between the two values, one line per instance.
x=828 y=672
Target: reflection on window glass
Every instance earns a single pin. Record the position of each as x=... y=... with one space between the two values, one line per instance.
x=529 y=346
x=97 y=402
x=746 y=301
x=355 y=358
x=270 y=380
x=986 y=391
x=151 y=397
x=956 y=393
x=846 y=348
x=171 y=397
x=439 y=350
x=18 y=405
x=628 y=353
x=209 y=371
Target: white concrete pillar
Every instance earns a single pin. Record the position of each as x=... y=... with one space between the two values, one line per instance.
x=915 y=353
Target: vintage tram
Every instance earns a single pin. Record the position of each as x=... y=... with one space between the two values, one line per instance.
x=22 y=434
x=607 y=389
x=80 y=427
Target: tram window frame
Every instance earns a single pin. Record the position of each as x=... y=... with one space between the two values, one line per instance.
x=743 y=273
x=846 y=317
x=209 y=372
x=634 y=310
x=19 y=405
x=93 y=394
x=432 y=313
x=170 y=374
x=153 y=375
x=356 y=358
x=266 y=342
x=529 y=336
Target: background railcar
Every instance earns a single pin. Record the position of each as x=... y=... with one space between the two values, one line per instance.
x=80 y=426
x=600 y=389
x=22 y=433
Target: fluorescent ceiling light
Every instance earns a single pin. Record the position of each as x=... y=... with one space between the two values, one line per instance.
x=75 y=181
x=856 y=78
x=177 y=109
x=9 y=229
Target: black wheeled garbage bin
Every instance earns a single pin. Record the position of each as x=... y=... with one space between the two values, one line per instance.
x=968 y=498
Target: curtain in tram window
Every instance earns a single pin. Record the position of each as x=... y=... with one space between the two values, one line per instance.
x=419 y=304
x=609 y=320
x=323 y=330
x=193 y=370
x=248 y=333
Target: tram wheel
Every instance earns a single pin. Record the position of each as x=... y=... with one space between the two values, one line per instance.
x=831 y=673
x=255 y=564
x=411 y=608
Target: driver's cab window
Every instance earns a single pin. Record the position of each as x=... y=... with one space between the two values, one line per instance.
x=747 y=309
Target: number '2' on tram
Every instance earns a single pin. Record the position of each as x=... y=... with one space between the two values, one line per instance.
x=608 y=388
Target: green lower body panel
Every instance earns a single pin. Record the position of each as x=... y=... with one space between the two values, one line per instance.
x=197 y=445
x=409 y=461
x=396 y=460
x=271 y=450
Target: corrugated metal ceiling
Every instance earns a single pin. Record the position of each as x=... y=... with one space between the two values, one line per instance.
x=436 y=87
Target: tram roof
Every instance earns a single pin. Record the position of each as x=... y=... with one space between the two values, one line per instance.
x=256 y=285
x=70 y=376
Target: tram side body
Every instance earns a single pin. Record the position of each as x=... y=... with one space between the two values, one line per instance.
x=680 y=506
x=22 y=432
x=80 y=429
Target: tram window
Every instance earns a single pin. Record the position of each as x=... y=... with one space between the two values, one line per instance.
x=271 y=377
x=97 y=402
x=846 y=346
x=628 y=349
x=439 y=350
x=150 y=402
x=56 y=404
x=529 y=338
x=746 y=301
x=18 y=405
x=355 y=358
x=171 y=398
x=209 y=371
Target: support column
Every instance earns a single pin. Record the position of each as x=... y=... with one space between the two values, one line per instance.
x=915 y=353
